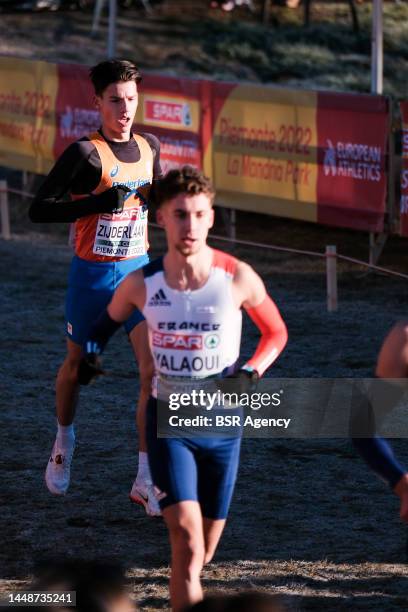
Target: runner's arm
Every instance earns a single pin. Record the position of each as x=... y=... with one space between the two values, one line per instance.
x=50 y=204
x=265 y=314
x=129 y=295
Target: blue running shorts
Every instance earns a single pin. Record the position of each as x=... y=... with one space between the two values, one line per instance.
x=90 y=289
x=198 y=469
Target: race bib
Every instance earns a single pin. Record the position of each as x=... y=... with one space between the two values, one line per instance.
x=123 y=234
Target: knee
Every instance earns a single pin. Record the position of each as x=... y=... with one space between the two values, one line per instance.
x=68 y=371
x=146 y=375
x=188 y=547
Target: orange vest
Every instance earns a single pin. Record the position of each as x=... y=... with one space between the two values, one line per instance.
x=113 y=237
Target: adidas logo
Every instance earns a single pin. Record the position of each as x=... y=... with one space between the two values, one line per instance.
x=159 y=299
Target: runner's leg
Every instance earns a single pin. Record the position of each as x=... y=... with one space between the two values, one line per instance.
x=140 y=344
x=57 y=474
x=143 y=491
x=185 y=525
x=82 y=307
x=213 y=529
x=392 y=362
x=67 y=387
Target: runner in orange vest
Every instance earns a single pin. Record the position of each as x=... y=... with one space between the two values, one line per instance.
x=108 y=176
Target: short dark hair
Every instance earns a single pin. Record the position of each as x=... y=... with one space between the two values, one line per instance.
x=186 y=180
x=113 y=71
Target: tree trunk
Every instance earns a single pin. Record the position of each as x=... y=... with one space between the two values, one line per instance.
x=265 y=11
x=354 y=17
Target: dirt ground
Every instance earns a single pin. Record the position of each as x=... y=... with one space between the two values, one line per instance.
x=308 y=521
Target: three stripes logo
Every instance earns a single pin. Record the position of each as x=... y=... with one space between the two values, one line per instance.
x=159 y=299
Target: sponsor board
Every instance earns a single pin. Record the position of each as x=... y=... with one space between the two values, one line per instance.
x=75 y=114
x=27 y=101
x=265 y=145
x=403 y=204
x=172 y=112
x=352 y=144
x=315 y=156
x=176 y=148
x=164 y=112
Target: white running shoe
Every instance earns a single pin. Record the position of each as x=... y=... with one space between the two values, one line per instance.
x=58 y=470
x=146 y=494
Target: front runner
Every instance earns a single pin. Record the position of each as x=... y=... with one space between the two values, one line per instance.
x=108 y=175
x=191 y=299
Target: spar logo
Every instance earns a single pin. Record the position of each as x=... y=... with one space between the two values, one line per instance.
x=329 y=163
x=173 y=113
x=128 y=214
x=179 y=342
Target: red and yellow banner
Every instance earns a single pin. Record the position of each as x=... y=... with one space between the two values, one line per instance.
x=312 y=156
x=27 y=114
x=264 y=150
x=315 y=156
x=404 y=171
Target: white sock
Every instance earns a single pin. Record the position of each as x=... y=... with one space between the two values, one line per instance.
x=143 y=472
x=66 y=436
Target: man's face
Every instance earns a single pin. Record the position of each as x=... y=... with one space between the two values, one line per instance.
x=117 y=106
x=187 y=220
